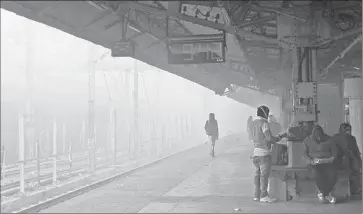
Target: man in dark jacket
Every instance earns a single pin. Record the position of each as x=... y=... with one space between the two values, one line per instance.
x=211 y=129
x=349 y=157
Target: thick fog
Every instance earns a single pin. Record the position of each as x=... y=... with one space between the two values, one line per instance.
x=58 y=65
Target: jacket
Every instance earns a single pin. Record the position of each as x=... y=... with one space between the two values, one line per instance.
x=324 y=149
x=257 y=134
x=211 y=128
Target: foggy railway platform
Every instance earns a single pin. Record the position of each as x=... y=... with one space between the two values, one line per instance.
x=303 y=59
x=192 y=182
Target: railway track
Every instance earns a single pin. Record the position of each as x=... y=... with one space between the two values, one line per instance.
x=13 y=171
x=14 y=168
x=86 y=188
x=78 y=167
x=126 y=164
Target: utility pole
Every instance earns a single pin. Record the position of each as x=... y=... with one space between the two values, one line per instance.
x=112 y=118
x=127 y=106
x=158 y=119
x=91 y=109
x=29 y=126
x=136 y=108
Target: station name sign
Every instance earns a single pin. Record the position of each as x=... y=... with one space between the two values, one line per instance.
x=197 y=49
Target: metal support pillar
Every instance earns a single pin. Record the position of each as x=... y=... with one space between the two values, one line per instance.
x=29 y=129
x=113 y=132
x=115 y=138
x=304 y=87
x=2 y=165
x=301 y=37
x=54 y=152
x=21 y=154
x=82 y=136
x=64 y=138
x=305 y=111
x=353 y=91
x=91 y=110
x=38 y=162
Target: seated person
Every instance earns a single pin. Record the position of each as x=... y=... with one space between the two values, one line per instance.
x=320 y=153
x=340 y=140
x=353 y=157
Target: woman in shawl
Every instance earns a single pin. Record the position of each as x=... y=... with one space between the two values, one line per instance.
x=320 y=153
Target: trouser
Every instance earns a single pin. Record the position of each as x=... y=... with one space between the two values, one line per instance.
x=212 y=141
x=355 y=174
x=326 y=177
x=262 y=166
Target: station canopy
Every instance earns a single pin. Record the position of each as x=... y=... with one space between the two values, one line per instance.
x=221 y=45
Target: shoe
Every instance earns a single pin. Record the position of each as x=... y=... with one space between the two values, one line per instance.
x=256 y=199
x=321 y=197
x=331 y=199
x=267 y=199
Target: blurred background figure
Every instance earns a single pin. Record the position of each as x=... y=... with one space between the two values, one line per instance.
x=275 y=126
x=249 y=127
x=211 y=129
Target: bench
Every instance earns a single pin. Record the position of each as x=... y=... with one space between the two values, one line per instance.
x=298 y=183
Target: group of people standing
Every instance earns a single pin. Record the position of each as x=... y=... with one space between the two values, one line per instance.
x=327 y=155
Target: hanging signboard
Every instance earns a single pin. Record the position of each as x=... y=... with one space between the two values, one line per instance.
x=123 y=48
x=197 y=49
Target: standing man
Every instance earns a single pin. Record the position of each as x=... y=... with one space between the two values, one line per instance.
x=262 y=140
x=211 y=128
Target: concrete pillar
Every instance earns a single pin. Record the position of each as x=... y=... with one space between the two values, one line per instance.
x=330 y=106
x=353 y=91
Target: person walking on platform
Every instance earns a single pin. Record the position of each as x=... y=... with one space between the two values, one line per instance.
x=321 y=152
x=262 y=141
x=211 y=129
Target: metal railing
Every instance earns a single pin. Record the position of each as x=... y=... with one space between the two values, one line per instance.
x=32 y=174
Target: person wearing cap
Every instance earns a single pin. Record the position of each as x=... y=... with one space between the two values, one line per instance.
x=262 y=141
